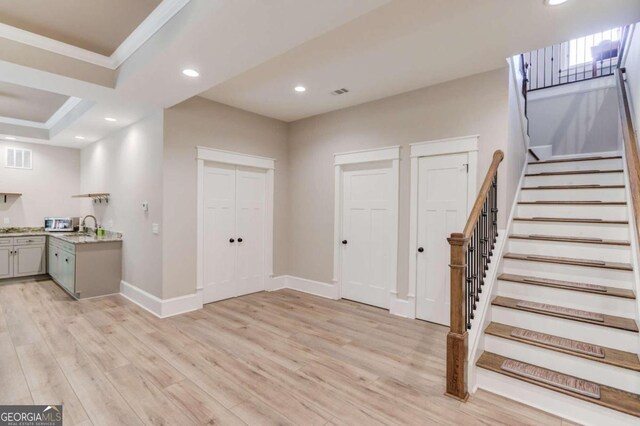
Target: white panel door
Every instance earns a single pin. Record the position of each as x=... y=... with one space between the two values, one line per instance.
x=219 y=245
x=368 y=196
x=442 y=210
x=250 y=229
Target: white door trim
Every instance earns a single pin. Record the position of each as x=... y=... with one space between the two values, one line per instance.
x=237 y=159
x=463 y=144
x=391 y=153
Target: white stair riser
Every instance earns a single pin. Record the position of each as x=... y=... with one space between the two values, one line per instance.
x=576 y=366
x=564 y=406
x=609 y=277
x=573 y=211
x=571 y=329
x=564 y=229
x=612 y=164
x=591 y=194
x=607 y=253
x=618 y=306
x=579 y=179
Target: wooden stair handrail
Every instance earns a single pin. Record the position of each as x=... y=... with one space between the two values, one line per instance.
x=630 y=147
x=498 y=156
x=457 y=338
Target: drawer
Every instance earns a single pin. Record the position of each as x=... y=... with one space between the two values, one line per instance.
x=27 y=241
x=4 y=242
x=63 y=245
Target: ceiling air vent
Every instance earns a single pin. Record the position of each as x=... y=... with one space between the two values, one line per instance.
x=340 y=92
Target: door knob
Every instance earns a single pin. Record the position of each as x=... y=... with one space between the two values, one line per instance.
x=239 y=240
x=231 y=240
x=344 y=241
x=420 y=249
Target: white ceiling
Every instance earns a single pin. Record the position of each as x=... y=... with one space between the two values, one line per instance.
x=251 y=53
x=409 y=44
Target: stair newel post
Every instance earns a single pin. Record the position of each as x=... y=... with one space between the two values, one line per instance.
x=457 y=338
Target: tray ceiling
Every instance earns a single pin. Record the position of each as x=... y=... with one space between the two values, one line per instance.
x=24 y=103
x=99 y=26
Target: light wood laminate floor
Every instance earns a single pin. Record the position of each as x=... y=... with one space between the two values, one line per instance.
x=268 y=358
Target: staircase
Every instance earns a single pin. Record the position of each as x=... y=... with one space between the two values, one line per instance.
x=562 y=333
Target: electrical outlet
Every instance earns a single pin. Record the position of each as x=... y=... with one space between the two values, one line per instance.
x=7 y=221
x=155 y=228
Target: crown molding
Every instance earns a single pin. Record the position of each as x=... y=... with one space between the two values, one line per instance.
x=66 y=107
x=156 y=19
x=23 y=123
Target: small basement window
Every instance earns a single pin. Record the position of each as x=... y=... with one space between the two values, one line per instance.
x=17 y=158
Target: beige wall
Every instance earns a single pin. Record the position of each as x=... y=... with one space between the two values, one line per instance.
x=206 y=123
x=128 y=165
x=46 y=189
x=473 y=105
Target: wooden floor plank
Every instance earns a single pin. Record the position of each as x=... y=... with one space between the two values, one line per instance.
x=281 y=358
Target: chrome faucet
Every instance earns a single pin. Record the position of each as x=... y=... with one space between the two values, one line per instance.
x=95 y=222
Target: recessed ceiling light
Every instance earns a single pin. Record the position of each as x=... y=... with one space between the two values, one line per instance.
x=80 y=137
x=110 y=119
x=190 y=73
x=554 y=2
x=300 y=89
x=10 y=138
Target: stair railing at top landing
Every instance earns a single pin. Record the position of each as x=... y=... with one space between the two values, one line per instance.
x=584 y=58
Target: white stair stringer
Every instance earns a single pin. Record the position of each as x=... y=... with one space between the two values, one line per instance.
x=562 y=405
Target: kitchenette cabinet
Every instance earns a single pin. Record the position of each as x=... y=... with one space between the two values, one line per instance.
x=22 y=256
x=85 y=269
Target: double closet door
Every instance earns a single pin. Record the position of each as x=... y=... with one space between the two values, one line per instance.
x=234 y=231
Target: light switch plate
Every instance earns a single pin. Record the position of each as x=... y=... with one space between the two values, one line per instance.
x=7 y=221
x=155 y=228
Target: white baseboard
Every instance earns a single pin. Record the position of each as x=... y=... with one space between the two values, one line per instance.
x=402 y=307
x=276 y=283
x=317 y=288
x=162 y=308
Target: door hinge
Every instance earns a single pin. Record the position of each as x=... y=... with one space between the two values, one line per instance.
x=466 y=165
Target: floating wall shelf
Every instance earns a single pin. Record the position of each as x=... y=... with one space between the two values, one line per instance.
x=95 y=196
x=9 y=194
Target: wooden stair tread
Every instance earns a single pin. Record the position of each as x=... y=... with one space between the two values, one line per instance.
x=545 y=282
x=615 y=357
x=570 y=239
x=570 y=220
x=615 y=399
x=611 y=321
x=570 y=261
x=575 y=172
x=571 y=160
x=576 y=203
x=572 y=187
